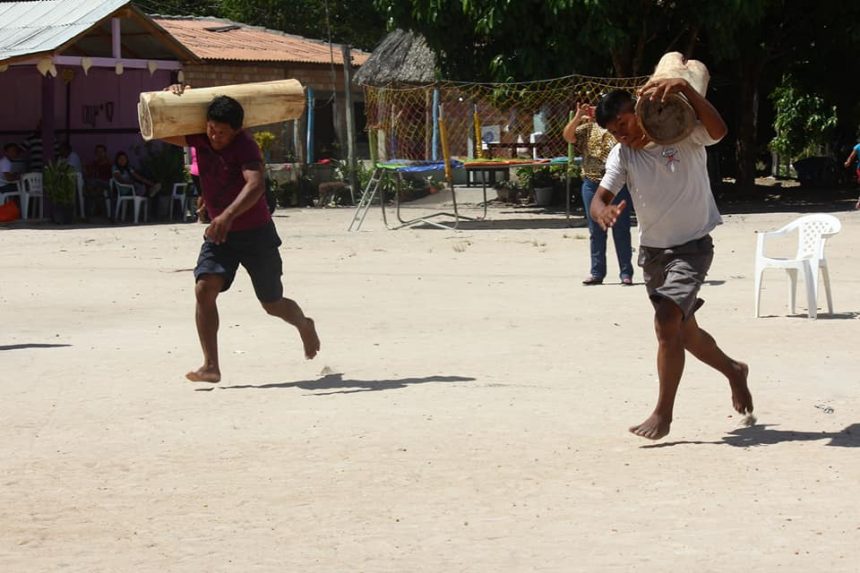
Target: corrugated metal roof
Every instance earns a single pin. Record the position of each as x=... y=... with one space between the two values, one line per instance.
x=38 y=27
x=218 y=39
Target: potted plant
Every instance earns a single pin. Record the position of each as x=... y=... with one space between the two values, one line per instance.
x=507 y=191
x=59 y=181
x=265 y=140
x=540 y=180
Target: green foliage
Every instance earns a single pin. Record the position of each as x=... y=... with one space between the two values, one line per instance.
x=803 y=120
x=536 y=177
x=353 y=22
x=164 y=164
x=58 y=178
x=264 y=140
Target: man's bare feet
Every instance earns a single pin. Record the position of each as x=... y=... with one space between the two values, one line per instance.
x=309 y=338
x=654 y=428
x=204 y=374
x=741 y=397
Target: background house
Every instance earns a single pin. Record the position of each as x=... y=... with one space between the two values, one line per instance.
x=229 y=52
x=79 y=66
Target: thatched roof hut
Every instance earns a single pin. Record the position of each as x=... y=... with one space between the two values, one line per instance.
x=401 y=58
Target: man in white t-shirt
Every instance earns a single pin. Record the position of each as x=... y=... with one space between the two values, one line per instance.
x=676 y=211
x=9 y=168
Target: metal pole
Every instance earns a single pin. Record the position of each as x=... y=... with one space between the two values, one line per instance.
x=436 y=125
x=309 y=158
x=346 y=52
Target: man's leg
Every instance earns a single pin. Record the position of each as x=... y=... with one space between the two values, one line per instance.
x=287 y=310
x=703 y=346
x=621 y=236
x=668 y=320
x=596 y=235
x=206 y=290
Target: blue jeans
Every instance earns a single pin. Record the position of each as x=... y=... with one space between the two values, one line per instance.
x=620 y=233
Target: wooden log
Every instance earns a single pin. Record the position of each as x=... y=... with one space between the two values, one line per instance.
x=165 y=114
x=671 y=121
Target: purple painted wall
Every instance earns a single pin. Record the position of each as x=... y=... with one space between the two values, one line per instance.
x=102 y=106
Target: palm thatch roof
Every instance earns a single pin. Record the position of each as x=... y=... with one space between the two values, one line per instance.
x=401 y=58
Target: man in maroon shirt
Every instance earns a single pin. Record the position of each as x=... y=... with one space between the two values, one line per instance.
x=241 y=230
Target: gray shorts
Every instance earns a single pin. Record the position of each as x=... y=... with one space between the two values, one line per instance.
x=677 y=273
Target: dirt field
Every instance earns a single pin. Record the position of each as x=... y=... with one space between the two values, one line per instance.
x=468 y=411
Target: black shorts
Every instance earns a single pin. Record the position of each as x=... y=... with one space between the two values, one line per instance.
x=256 y=250
x=677 y=273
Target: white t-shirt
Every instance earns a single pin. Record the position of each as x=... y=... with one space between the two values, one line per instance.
x=6 y=167
x=669 y=186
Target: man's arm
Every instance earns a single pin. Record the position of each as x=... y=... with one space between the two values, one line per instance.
x=584 y=113
x=255 y=187
x=851 y=158
x=705 y=111
x=603 y=212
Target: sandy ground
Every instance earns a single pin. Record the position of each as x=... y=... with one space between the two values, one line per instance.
x=468 y=411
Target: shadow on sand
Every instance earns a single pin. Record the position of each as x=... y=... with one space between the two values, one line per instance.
x=25 y=346
x=764 y=435
x=337 y=384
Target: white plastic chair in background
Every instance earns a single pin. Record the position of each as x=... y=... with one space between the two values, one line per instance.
x=180 y=193
x=124 y=193
x=6 y=195
x=31 y=191
x=812 y=234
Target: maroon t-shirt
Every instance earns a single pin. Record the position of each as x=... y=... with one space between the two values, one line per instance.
x=222 y=180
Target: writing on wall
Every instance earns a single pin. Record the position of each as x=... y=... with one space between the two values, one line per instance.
x=92 y=112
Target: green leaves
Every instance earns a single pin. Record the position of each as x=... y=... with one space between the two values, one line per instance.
x=803 y=120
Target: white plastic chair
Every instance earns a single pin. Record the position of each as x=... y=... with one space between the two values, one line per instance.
x=179 y=194
x=124 y=193
x=812 y=234
x=6 y=195
x=30 y=188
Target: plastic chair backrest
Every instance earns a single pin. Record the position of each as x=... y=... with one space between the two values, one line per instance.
x=179 y=190
x=122 y=189
x=32 y=182
x=813 y=231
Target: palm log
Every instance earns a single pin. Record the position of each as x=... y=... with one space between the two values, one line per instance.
x=165 y=114
x=672 y=120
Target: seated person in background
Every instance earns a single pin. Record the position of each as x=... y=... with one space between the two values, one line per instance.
x=124 y=173
x=70 y=157
x=10 y=168
x=97 y=176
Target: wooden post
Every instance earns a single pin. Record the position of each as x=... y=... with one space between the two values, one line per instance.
x=346 y=53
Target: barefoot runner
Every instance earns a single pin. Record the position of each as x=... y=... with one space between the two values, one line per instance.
x=676 y=212
x=241 y=230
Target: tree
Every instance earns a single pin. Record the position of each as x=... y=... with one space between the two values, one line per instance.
x=353 y=22
x=803 y=120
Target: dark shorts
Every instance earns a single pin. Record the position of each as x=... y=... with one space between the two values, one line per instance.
x=677 y=273
x=256 y=250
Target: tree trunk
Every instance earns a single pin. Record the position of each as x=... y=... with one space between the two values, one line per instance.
x=748 y=124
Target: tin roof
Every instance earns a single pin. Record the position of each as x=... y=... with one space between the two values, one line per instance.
x=219 y=39
x=29 y=29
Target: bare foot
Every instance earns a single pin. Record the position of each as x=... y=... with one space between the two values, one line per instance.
x=741 y=397
x=309 y=338
x=204 y=374
x=654 y=428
